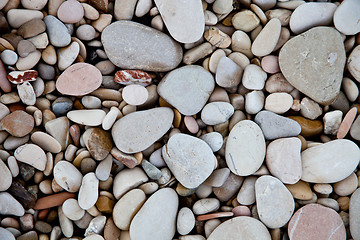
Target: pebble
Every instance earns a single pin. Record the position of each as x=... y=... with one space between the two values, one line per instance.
x=10 y=206
x=63 y=124
x=245 y=148
x=216 y=112
x=270 y=64
x=79 y=79
x=353 y=63
x=6 y=177
x=187 y=100
x=157 y=217
x=17 y=17
x=5 y=234
x=245 y=21
x=217 y=38
x=322 y=88
x=67 y=55
x=91 y=102
x=191 y=124
x=310 y=109
x=135 y=94
x=254 y=77
x=67 y=176
x=278 y=102
x=98 y=142
x=346 y=186
x=128 y=77
x=190 y=159
x=306 y=222
x=9 y=57
x=240 y=42
x=350 y=89
x=189 y=13
x=66 y=224
x=131 y=140
x=275 y=204
x=59 y=35
x=222 y=6
x=345 y=17
x=214 y=140
x=300 y=190
x=32 y=155
x=46 y=142
x=266 y=40
x=309 y=128
x=283 y=159
x=355 y=128
x=185 y=221
x=346 y=123
x=72 y=210
x=70 y=11
x=320 y=163
x=126 y=208
x=240 y=228
x=254 y=102
x=134 y=48
x=228 y=73
x=354 y=211
x=128 y=179
x=88 y=192
x=246 y=195
x=206 y=205
x=17 y=123
x=275 y=126
x=26 y=93
x=104 y=168
x=53 y=200
x=92 y=117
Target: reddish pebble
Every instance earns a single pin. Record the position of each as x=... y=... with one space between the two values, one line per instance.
x=191 y=124
x=241 y=211
x=346 y=123
x=4 y=83
x=270 y=64
x=127 y=77
x=53 y=200
x=214 y=215
x=18 y=77
x=18 y=123
x=43 y=213
x=17 y=107
x=75 y=134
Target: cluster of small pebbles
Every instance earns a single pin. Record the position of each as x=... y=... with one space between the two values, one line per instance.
x=179 y=120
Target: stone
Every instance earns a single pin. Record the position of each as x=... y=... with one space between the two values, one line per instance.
x=309 y=127
x=28 y=62
x=128 y=77
x=26 y=93
x=98 y=142
x=350 y=89
x=222 y=6
x=10 y=206
x=189 y=13
x=346 y=186
x=309 y=78
x=59 y=129
x=185 y=221
x=353 y=63
x=79 y=79
x=5 y=234
x=241 y=42
x=321 y=163
x=240 y=228
x=174 y=88
x=246 y=195
x=126 y=208
x=157 y=217
x=67 y=55
x=70 y=11
x=254 y=77
x=345 y=17
x=206 y=205
x=270 y=64
x=216 y=112
x=17 y=17
x=6 y=177
x=228 y=73
x=214 y=140
x=135 y=94
x=191 y=124
x=104 y=168
x=46 y=142
x=150 y=170
x=306 y=221
x=346 y=123
x=92 y=117
x=354 y=210
x=105 y=204
x=53 y=200
x=190 y=159
x=128 y=179
x=32 y=28
x=158 y=122
x=254 y=102
x=88 y=192
x=355 y=129
x=266 y=40
x=217 y=38
x=67 y=176
x=31 y=154
x=245 y=148
x=17 y=123
x=18 y=77
x=66 y=224
x=96 y=226
x=278 y=102
x=275 y=126
x=59 y=35
x=275 y=204
x=310 y=109
x=9 y=57
x=72 y=210
x=152 y=50
x=245 y=21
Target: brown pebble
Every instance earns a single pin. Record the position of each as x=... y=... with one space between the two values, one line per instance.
x=309 y=128
x=214 y=215
x=18 y=123
x=104 y=204
x=53 y=200
x=75 y=134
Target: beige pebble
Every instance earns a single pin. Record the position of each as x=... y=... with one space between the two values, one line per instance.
x=46 y=142
x=267 y=39
x=245 y=21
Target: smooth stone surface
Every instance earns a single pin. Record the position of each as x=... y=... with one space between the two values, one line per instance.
x=228 y=73
x=321 y=163
x=278 y=102
x=31 y=154
x=184 y=20
x=311 y=15
x=206 y=205
x=187 y=88
x=79 y=79
x=59 y=129
x=135 y=94
x=185 y=221
x=254 y=77
x=157 y=217
x=346 y=186
x=18 y=123
x=322 y=55
x=6 y=177
x=190 y=159
x=72 y=210
x=240 y=228
x=216 y=112
x=70 y=11
x=26 y=93
x=92 y=117
x=67 y=176
x=10 y=206
x=88 y=192
x=274 y=202
x=267 y=39
x=245 y=148
x=98 y=142
x=137 y=131
x=275 y=126
x=46 y=142
x=214 y=139
x=140 y=47
x=314 y=221
x=355 y=128
x=353 y=63
x=5 y=234
x=17 y=17
x=59 y=35
x=283 y=159
x=246 y=195
x=67 y=55
x=245 y=21
x=354 y=211
x=128 y=179
x=346 y=17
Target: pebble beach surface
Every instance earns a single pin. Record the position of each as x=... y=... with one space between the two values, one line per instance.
x=179 y=120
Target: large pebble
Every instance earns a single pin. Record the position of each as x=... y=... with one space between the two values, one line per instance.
x=245 y=148
x=157 y=217
x=275 y=204
x=187 y=88
x=59 y=35
x=184 y=20
x=190 y=159
x=31 y=154
x=330 y=162
x=240 y=228
x=346 y=17
x=314 y=221
x=216 y=112
x=353 y=63
x=128 y=179
x=140 y=47
x=87 y=117
x=321 y=53
x=88 y=192
x=267 y=39
x=70 y=11
x=137 y=131
x=10 y=206
x=354 y=212
x=67 y=176
x=18 y=123
x=46 y=142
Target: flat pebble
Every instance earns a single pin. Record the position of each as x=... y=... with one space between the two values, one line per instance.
x=17 y=17
x=214 y=140
x=10 y=206
x=67 y=176
x=32 y=155
x=353 y=63
x=59 y=35
x=185 y=221
x=216 y=112
x=9 y=57
x=245 y=21
x=355 y=129
x=267 y=39
x=254 y=77
x=46 y=142
x=135 y=94
x=346 y=186
x=88 y=192
x=128 y=179
x=67 y=55
x=270 y=64
x=246 y=195
x=87 y=117
x=5 y=234
x=228 y=73
x=128 y=77
x=354 y=211
x=70 y=11
x=346 y=18
x=98 y=142
x=206 y=205
x=72 y=210
x=254 y=101
x=17 y=123
x=6 y=177
x=278 y=102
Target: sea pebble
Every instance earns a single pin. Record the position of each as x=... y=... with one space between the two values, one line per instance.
x=128 y=77
x=32 y=155
x=266 y=40
x=254 y=77
x=10 y=206
x=216 y=112
x=185 y=221
x=59 y=35
x=278 y=102
x=88 y=192
x=135 y=94
x=353 y=63
x=6 y=177
x=67 y=176
x=228 y=73
x=354 y=211
x=346 y=18
x=72 y=210
x=87 y=117
x=46 y=142
x=214 y=140
x=17 y=123
x=128 y=179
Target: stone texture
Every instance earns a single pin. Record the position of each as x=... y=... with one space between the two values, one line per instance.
x=128 y=179
x=346 y=18
x=31 y=154
x=354 y=211
x=67 y=176
x=353 y=63
x=9 y=205
x=18 y=123
x=98 y=142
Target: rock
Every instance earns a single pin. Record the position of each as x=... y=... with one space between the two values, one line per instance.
x=246 y=195
x=346 y=123
x=32 y=28
x=330 y=60
x=5 y=234
x=70 y=12
x=135 y=94
x=67 y=176
x=98 y=142
x=222 y=6
x=17 y=123
x=9 y=205
x=88 y=192
x=6 y=177
x=31 y=154
x=206 y=205
x=128 y=179
x=345 y=18
x=306 y=222
x=254 y=102
x=191 y=124
x=46 y=142
x=309 y=127
x=346 y=186
x=150 y=170
x=157 y=217
x=92 y=117
x=241 y=42
x=321 y=163
x=275 y=126
x=67 y=55
x=79 y=79
x=228 y=73
x=245 y=21
x=174 y=88
x=245 y=148
x=278 y=102
x=218 y=177
x=214 y=140
x=96 y=226
x=275 y=204
x=254 y=77
x=72 y=210
x=26 y=93
x=189 y=14
x=53 y=200
x=216 y=112
x=128 y=77
x=17 y=17
x=104 y=168
x=270 y=64
x=59 y=129
x=355 y=129
x=28 y=62
x=190 y=159
x=185 y=221
x=9 y=57
x=354 y=210
x=151 y=125
x=240 y=228
x=217 y=38
x=59 y=35
x=353 y=63
x=350 y=89
x=66 y=224
x=266 y=40
x=126 y=208
x=61 y=106
x=141 y=54
x=311 y=15
x=310 y=109
x=283 y=159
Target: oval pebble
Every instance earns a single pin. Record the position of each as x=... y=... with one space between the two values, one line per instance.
x=135 y=94
x=87 y=117
x=346 y=18
x=214 y=140
x=46 y=142
x=72 y=210
x=67 y=176
x=88 y=192
x=185 y=221
x=32 y=155
x=70 y=11
x=6 y=177
x=267 y=39
x=216 y=112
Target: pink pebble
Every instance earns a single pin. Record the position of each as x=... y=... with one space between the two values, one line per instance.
x=241 y=211
x=70 y=11
x=270 y=64
x=191 y=124
x=135 y=94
